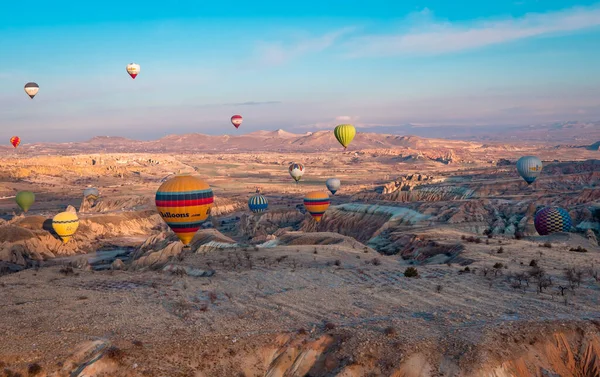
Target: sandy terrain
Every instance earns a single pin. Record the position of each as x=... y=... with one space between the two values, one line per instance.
x=278 y=295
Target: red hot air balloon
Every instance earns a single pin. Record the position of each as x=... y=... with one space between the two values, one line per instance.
x=15 y=141
x=237 y=120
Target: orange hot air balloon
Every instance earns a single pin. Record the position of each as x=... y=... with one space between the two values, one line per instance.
x=316 y=203
x=237 y=120
x=184 y=203
x=15 y=141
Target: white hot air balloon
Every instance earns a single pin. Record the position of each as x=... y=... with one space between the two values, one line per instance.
x=296 y=171
x=333 y=184
x=133 y=69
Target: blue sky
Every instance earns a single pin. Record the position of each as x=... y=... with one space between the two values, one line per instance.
x=299 y=66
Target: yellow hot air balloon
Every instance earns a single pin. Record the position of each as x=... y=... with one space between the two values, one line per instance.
x=65 y=224
x=345 y=133
x=316 y=203
x=184 y=202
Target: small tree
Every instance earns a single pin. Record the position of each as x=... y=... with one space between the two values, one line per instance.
x=574 y=276
x=411 y=272
x=543 y=281
x=498 y=268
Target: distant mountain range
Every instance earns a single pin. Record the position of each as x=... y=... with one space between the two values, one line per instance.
x=557 y=132
x=260 y=141
x=571 y=134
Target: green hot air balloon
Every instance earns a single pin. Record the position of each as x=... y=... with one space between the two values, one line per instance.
x=25 y=199
x=344 y=133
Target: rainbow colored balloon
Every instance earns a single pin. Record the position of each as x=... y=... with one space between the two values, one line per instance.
x=551 y=220
x=184 y=203
x=316 y=203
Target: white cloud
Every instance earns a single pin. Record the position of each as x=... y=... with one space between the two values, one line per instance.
x=276 y=53
x=431 y=37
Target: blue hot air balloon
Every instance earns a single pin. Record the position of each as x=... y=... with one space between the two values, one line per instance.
x=529 y=167
x=258 y=203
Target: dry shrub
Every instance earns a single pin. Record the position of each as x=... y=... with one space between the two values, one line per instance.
x=115 y=353
x=390 y=331
x=34 y=370
x=67 y=271
x=578 y=249
x=411 y=272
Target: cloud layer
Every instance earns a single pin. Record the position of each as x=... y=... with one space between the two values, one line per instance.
x=427 y=36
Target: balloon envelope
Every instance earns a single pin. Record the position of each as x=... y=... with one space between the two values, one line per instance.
x=316 y=203
x=296 y=171
x=91 y=194
x=258 y=203
x=15 y=141
x=31 y=89
x=237 y=120
x=333 y=184
x=25 y=199
x=529 y=167
x=184 y=202
x=551 y=220
x=133 y=70
x=344 y=133
x=65 y=224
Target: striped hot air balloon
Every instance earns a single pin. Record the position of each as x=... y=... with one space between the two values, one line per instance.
x=296 y=171
x=65 y=225
x=184 y=202
x=237 y=120
x=316 y=203
x=31 y=89
x=552 y=220
x=344 y=133
x=15 y=141
x=529 y=167
x=258 y=203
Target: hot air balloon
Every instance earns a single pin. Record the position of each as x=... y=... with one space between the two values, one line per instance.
x=258 y=203
x=551 y=220
x=296 y=171
x=333 y=184
x=529 y=167
x=133 y=69
x=344 y=133
x=316 y=203
x=25 y=199
x=184 y=202
x=31 y=89
x=65 y=224
x=91 y=194
x=237 y=120
x=15 y=141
